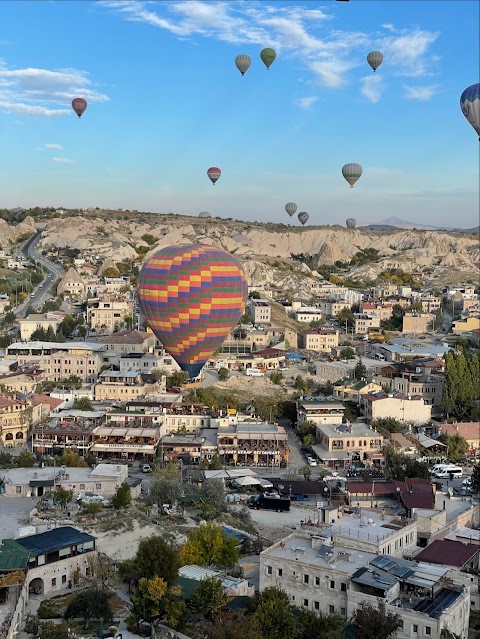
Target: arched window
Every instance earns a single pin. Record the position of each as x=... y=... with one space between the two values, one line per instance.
x=8 y=437
x=19 y=435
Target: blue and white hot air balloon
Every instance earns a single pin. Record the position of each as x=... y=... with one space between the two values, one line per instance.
x=470 y=105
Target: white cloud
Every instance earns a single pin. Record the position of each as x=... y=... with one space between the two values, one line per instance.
x=306 y=102
x=423 y=94
x=307 y=34
x=372 y=87
x=56 y=147
x=43 y=92
x=64 y=160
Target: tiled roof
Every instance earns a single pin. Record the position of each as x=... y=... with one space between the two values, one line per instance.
x=467 y=430
x=451 y=553
x=125 y=337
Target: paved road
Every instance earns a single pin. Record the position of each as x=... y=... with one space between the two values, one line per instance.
x=52 y=272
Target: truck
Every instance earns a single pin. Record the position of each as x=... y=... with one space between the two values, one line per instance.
x=258 y=502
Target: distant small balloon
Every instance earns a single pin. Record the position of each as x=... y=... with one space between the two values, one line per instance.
x=79 y=105
x=268 y=57
x=303 y=217
x=214 y=173
x=351 y=223
x=375 y=59
x=352 y=172
x=243 y=63
x=204 y=214
x=470 y=105
x=291 y=208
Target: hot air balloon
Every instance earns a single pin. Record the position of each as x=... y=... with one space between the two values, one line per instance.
x=291 y=208
x=470 y=105
x=204 y=214
x=375 y=59
x=351 y=223
x=192 y=295
x=352 y=172
x=243 y=63
x=214 y=173
x=303 y=217
x=268 y=56
x=79 y=105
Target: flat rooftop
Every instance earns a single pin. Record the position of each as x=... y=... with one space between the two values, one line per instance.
x=343 y=430
x=301 y=548
x=368 y=526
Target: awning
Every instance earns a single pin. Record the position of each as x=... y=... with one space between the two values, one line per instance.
x=247 y=481
x=38 y=483
x=264 y=483
x=122 y=449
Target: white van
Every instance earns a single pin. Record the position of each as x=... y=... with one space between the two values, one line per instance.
x=447 y=471
x=437 y=468
x=254 y=372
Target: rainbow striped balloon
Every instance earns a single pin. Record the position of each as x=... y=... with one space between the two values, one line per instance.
x=192 y=295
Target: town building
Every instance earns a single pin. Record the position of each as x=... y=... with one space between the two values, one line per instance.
x=190 y=577
x=133 y=442
x=404 y=408
x=308 y=314
x=420 y=377
x=466 y=325
x=319 y=411
x=416 y=322
x=104 y=479
x=39 y=321
x=470 y=431
x=60 y=360
x=21 y=379
x=125 y=342
x=108 y=311
x=467 y=291
x=4 y=302
x=431 y=304
x=260 y=310
x=71 y=286
x=363 y=322
x=253 y=444
x=125 y=385
x=321 y=340
x=69 y=429
x=403 y=349
x=345 y=444
x=146 y=362
x=384 y=311
x=351 y=390
x=15 y=421
x=331 y=307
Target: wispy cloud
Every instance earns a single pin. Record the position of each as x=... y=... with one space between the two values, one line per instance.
x=306 y=102
x=63 y=160
x=56 y=147
x=423 y=94
x=372 y=87
x=307 y=34
x=44 y=92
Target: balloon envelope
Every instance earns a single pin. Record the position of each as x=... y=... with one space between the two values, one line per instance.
x=243 y=63
x=79 y=105
x=351 y=223
x=375 y=59
x=351 y=172
x=214 y=173
x=268 y=56
x=291 y=208
x=192 y=295
x=470 y=105
x=303 y=217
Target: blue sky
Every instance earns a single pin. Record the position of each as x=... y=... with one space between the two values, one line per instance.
x=165 y=102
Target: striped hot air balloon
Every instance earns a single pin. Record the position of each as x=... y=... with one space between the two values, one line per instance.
x=352 y=172
x=351 y=223
x=291 y=208
x=375 y=59
x=214 y=173
x=192 y=295
x=470 y=105
x=243 y=62
x=303 y=217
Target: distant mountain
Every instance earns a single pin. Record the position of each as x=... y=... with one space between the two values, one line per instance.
x=398 y=223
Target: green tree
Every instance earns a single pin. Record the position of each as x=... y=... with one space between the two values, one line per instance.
x=25 y=459
x=312 y=625
x=276 y=377
x=234 y=626
x=345 y=317
x=71 y=459
x=165 y=491
x=62 y=497
x=347 y=353
x=82 y=403
x=149 y=239
x=214 y=492
x=209 y=597
x=209 y=544
x=457 y=446
x=52 y=630
x=223 y=374
x=91 y=508
x=110 y=272
x=101 y=571
x=475 y=485
x=274 y=615
x=360 y=371
x=155 y=557
x=301 y=384
x=177 y=378
x=122 y=497
x=306 y=471
x=90 y=604
x=366 y=617
x=308 y=441
x=147 y=600
x=215 y=463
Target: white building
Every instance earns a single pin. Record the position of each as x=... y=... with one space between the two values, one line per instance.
x=404 y=408
x=260 y=310
x=307 y=314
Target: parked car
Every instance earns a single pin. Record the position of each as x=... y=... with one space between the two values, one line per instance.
x=174 y=389
x=146 y=468
x=269 y=503
x=311 y=461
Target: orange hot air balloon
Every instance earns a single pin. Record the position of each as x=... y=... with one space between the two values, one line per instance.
x=79 y=105
x=192 y=295
x=214 y=173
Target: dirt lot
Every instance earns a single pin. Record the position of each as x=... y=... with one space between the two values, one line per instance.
x=275 y=525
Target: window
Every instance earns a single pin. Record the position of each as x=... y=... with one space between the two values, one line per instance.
x=82 y=486
x=280 y=572
x=317 y=581
x=306 y=579
x=400 y=622
x=269 y=570
x=54 y=582
x=331 y=610
x=18 y=489
x=64 y=579
x=332 y=584
x=415 y=627
x=343 y=587
x=305 y=603
x=98 y=486
x=343 y=612
x=316 y=605
x=428 y=630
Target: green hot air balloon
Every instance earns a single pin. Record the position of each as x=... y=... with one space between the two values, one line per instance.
x=352 y=172
x=268 y=56
x=291 y=208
